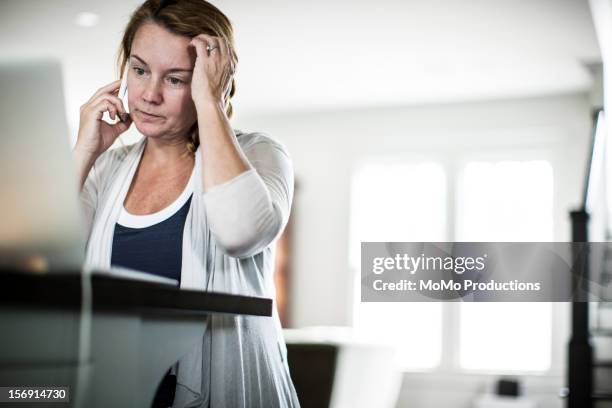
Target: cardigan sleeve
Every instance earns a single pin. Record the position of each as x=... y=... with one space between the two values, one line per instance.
x=89 y=199
x=248 y=212
x=93 y=186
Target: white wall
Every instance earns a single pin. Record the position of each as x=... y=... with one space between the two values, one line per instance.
x=326 y=146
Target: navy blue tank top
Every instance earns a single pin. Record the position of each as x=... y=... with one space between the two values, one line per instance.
x=155 y=249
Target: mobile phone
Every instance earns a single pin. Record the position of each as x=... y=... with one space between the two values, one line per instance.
x=123 y=96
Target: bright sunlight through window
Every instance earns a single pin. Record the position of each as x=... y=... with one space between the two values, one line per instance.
x=505 y=201
x=493 y=201
x=399 y=202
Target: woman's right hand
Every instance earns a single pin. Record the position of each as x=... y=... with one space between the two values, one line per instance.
x=95 y=135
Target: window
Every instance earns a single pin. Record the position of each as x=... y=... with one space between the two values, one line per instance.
x=491 y=201
x=517 y=337
x=399 y=202
x=505 y=201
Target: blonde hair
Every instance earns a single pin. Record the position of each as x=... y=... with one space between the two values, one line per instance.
x=182 y=17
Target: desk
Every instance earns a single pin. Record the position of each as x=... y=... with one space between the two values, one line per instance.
x=110 y=339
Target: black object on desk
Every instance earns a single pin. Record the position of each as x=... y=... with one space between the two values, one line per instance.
x=508 y=387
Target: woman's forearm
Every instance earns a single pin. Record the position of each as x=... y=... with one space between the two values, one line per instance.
x=83 y=162
x=222 y=157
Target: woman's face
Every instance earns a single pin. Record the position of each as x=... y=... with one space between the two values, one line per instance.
x=159 y=83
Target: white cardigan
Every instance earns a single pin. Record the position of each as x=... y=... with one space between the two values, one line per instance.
x=227 y=247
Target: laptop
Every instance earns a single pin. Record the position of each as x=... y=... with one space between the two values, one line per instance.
x=41 y=225
x=38 y=207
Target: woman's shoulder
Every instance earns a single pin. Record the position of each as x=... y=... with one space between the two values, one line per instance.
x=119 y=153
x=110 y=160
x=258 y=140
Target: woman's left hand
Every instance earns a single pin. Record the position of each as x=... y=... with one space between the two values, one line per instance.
x=213 y=71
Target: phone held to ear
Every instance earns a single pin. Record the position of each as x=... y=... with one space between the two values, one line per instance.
x=123 y=96
x=120 y=117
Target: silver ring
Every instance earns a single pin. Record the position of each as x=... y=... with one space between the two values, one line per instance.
x=211 y=48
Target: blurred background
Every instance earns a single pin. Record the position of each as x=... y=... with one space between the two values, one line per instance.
x=437 y=120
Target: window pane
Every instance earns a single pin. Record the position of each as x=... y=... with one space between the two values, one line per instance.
x=505 y=201
x=414 y=328
x=399 y=202
x=506 y=336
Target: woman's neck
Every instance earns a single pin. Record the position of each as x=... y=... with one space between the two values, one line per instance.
x=165 y=153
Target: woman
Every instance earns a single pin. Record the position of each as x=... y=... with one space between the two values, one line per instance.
x=193 y=200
